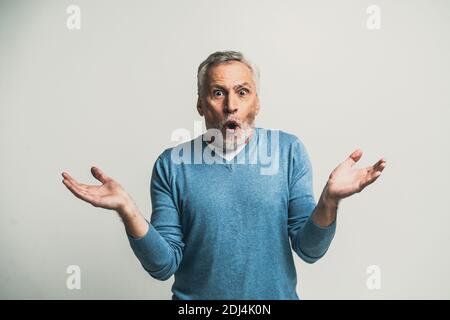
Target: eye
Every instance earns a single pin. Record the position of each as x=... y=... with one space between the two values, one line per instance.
x=217 y=93
x=243 y=92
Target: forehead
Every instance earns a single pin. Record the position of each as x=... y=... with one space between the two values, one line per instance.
x=230 y=72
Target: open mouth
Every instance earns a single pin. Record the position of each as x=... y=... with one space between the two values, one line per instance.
x=231 y=125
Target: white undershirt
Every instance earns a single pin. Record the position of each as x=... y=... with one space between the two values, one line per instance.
x=229 y=155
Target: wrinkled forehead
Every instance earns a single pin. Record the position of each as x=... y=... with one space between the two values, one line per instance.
x=229 y=73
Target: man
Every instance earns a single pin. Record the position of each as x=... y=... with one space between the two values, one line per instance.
x=223 y=227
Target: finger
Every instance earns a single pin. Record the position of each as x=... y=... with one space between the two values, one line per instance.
x=353 y=157
x=378 y=166
x=372 y=179
x=88 y=191
x=72 y=186
x=99 y=175
x=373 y=176
x=379 y=162
x=69 y=177
x=75 y=182
x=381 y=166
x=79 y=193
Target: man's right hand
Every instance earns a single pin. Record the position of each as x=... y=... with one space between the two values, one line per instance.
x=108 y=195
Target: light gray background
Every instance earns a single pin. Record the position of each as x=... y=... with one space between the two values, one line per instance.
x=111 y=94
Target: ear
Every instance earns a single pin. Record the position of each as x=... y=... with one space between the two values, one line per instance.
x=257 y=105
x=199 y=107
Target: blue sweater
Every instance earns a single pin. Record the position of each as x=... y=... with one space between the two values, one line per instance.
x=223 y=229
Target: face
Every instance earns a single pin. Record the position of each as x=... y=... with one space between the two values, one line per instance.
x=229 y=102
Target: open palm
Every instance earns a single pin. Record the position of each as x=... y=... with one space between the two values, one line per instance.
x=346 y=180
x=108 y=195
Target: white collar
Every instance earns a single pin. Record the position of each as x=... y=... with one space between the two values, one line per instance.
x=229 y=155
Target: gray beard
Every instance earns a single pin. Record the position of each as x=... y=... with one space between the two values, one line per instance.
x=232 y=142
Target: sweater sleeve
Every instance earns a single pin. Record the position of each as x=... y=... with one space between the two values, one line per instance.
x=308 y=240
x=160 y=250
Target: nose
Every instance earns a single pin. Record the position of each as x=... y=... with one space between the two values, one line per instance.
x=231 y=103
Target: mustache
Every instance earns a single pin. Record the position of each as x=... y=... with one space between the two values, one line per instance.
x=225 y=121
x=240 y=123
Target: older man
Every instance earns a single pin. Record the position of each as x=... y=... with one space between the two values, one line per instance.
x=223 y=227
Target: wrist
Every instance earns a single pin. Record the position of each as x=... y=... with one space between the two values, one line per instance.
x=328 y=199
x=127 y=210
x=326 y=210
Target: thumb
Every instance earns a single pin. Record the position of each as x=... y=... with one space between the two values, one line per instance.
x=354 y=157
x=99 y=175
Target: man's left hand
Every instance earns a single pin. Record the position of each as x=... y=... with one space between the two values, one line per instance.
x=346 y=180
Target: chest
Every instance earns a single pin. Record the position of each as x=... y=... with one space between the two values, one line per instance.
x=236 y=197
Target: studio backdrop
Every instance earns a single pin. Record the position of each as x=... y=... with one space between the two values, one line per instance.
x=107 y=83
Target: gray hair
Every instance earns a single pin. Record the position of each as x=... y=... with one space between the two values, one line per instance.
x=221 y=57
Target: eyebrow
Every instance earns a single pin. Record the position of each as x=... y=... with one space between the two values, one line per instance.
x=244 y=84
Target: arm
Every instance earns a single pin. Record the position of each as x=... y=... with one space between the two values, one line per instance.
x=160 y=250
x=310 y=238
x=158 y=245
x=325 y=212
x=312 y=227
x=135 y=224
